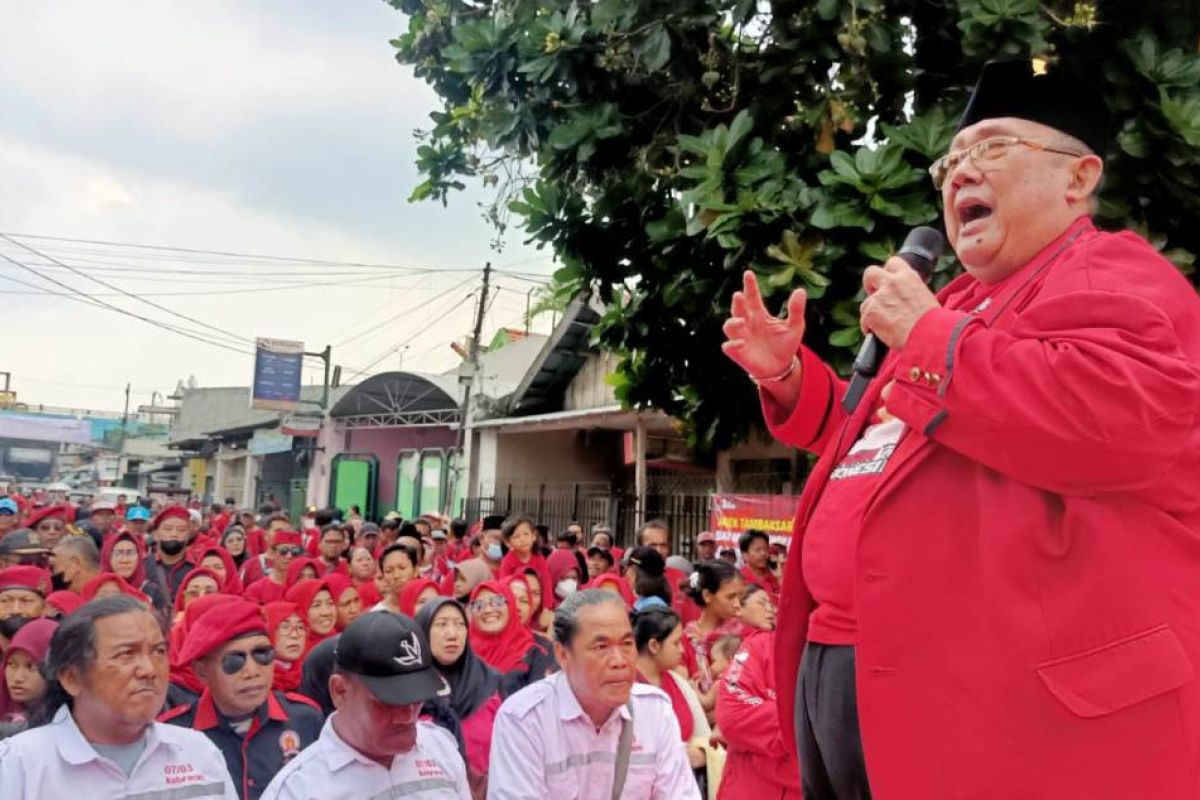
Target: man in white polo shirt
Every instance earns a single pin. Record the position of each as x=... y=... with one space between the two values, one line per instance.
x=590 y=732
x=108 y=664
x=374 y=745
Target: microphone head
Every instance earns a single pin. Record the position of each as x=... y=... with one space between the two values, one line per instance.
x=922 y=248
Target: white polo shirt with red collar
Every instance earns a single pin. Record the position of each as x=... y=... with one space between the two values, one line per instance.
x=330 y=769
x=56 y=761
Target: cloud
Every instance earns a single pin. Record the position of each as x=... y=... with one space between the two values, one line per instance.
x=240 y=126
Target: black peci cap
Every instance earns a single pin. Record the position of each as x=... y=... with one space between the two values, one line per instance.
x=1017 y=88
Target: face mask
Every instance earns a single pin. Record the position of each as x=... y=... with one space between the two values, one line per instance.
x=565 y=587
x=171 y=547
x=58 y=582
x=494 y=552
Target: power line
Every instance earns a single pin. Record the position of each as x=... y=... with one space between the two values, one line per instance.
x=389 y=320
x=83 y=297
x=228 y=336
x=358 y=282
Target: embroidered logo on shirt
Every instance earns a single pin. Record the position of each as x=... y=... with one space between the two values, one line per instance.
x=289 y=744
x=870 y=454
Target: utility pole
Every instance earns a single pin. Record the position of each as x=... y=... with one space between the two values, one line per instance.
x=125 y=415
x=466 y=376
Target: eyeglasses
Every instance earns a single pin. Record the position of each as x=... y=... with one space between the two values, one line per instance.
x=290 y=630
x=492 y=602
x=985 y=154
x=288 y=550
x=123 y=554
x=234 y=661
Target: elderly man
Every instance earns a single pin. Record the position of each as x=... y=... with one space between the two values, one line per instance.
x=656 y=534
x=74 y=561
x=23 y=591
x=256 y=729
x=22 y=546
x=108 y=664
x=375 y=744
x=591 y=731
x=997 y=561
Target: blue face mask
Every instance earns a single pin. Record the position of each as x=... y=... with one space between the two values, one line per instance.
x=494 y=552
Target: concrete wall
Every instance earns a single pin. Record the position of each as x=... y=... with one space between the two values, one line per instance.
x=588 y=389
x=536 y=457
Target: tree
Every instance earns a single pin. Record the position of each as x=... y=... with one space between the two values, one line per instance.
x=659 y=147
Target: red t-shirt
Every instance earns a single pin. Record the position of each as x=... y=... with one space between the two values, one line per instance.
x=831 y=536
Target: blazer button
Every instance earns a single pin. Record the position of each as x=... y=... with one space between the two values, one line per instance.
x=914 y=374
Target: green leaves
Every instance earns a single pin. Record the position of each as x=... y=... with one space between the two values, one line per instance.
x=659 y=149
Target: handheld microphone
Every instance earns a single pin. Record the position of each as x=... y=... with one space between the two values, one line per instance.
x=920 y=250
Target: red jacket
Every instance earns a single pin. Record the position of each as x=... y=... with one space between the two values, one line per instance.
x=760 y=764
x=1028 y=569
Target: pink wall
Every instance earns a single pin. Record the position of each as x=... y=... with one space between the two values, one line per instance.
x=386 y=444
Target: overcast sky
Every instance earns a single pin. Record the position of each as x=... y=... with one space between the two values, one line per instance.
x=243 y=126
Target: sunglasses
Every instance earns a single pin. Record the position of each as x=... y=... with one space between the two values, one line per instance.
x=234 y=661
x=289 y=550
x=491 y=602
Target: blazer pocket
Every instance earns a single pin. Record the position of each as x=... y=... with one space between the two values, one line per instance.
x=1119 y=674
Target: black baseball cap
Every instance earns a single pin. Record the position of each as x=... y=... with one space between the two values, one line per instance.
x=22 y=542
x=390 y=654
x=648 y=560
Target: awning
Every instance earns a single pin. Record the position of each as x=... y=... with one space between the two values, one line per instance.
x=400 y=400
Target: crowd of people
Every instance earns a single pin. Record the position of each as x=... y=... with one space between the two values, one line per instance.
x=241 y=653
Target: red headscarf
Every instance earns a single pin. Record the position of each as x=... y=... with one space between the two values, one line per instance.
x=296 y=567
x=409 y=594
x=138 y=578
x=233 y=581
x=535 y=614
x=558 y=565
x=339 y=584
x=287 y=673
x=65 y=601
x=90 y=589
x=303 y=594
x=182 y=674
x=509 y=581
x=191 y=576
x=513 y=565
x=604 y=580
x=34 y=639
x=504 y=651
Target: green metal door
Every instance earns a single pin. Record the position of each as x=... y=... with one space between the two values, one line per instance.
x=353 y=482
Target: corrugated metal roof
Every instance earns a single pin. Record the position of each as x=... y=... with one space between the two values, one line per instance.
x=561 y=358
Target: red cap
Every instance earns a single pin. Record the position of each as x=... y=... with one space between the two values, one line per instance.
x=212 y=630
x=34 y=579
x=63 y=511
x=288 y=537
x=170 y=512
x=706 y=536
x=65 y=601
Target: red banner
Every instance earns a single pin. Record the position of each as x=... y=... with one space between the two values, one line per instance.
x=732 y=515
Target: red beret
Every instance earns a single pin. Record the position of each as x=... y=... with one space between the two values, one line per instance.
x=63 y=511
x=218 y=626
x=65 y=601
x=170 y=512
x=34 y=579
x=288 y=537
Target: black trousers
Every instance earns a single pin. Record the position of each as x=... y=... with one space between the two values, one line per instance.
x=831 y=754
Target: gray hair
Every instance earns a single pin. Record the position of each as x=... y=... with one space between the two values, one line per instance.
x=73 y=644
x=566 y=616
x=82 y=547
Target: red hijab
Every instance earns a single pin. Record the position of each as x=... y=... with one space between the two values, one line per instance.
x=182 y=674
x=559 y=564
x=138 y=578
x=90 y=589
x=604 y=580
x=287 y=673
x=191 y=576
x=33 y=638
x=513 y=565
x=339 y=584
x=409 y=594
x=296 y=567
x=302 y=595
x=509 y=581
x=535 y=614
x=233 y=581
x=504 y=651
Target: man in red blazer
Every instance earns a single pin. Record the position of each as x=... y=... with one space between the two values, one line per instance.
x=995 y=583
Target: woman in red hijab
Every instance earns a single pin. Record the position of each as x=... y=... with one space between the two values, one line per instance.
x=318 y=612
x=301 y=569
x=196 y=584
x=125 y=555
x=288 y=637
x=220 y=561
x=363 y=571
x=184 y=687
x=345 y=597
x=22 y=684
x=416 y=594
x=106 y=584
x=499 y=638
x=521 y=537
x=519 y=585
x=615 y=584
x=564 y=568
